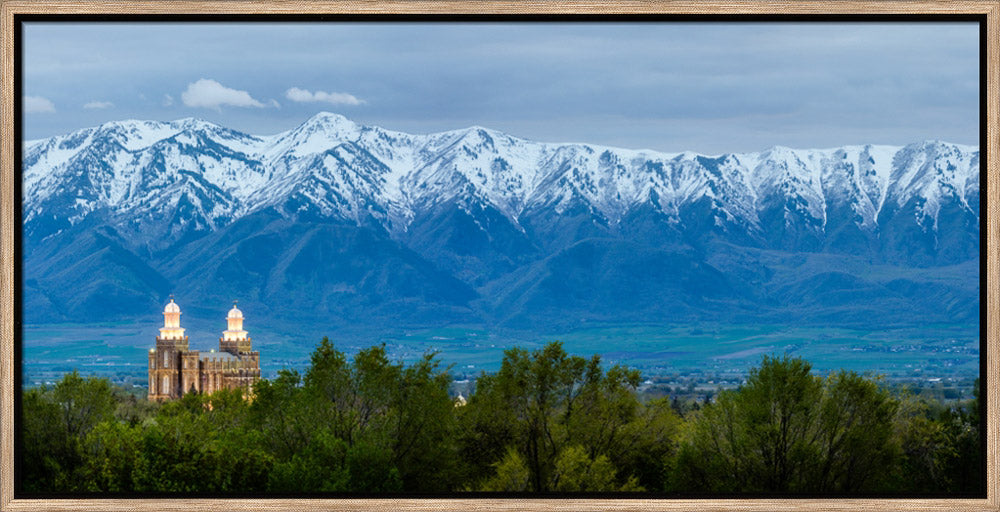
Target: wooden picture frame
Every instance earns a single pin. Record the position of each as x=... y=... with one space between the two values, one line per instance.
x=987 y=9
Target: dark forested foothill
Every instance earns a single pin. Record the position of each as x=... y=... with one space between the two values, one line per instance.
x=547 y=421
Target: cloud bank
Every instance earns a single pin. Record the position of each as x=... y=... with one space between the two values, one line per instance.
x=98 y=104
x=38 y=104
x=208 y=93
x=334 y=98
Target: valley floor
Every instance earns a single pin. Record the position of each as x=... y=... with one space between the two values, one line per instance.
x=683 y=356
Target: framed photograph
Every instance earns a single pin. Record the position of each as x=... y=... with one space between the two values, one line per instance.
x=499 y=256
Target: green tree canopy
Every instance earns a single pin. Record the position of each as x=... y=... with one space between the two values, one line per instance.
x=547 y=421
x=564 y=422
x=787 y=430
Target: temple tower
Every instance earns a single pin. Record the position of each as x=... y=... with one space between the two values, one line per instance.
x=165 y=376
x=234 y=339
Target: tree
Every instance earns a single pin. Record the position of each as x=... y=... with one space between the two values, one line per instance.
x=926 y=448
x=543 y=407
x=573 y=471
x=855 y=435
x=47 y=456
x=512 y=474
x=83 y=403
x=282 y=414
x=648 y=444
x=363 y=424
x=424 y=428
x=55 y=423
x=319 y=467
x=110 y=453
x=786 y=430
x=941 y=446
x=576 y=471
x=963 y=424
x=517 y=408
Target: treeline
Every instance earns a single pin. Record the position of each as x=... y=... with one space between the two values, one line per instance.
x=547 y=421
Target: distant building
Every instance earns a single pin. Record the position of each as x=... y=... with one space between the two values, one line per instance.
x=174 y=369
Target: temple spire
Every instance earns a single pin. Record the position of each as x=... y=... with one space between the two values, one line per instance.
x=234 y=338
x=171 y=329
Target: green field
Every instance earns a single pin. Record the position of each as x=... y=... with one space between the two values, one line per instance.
x=714 y=354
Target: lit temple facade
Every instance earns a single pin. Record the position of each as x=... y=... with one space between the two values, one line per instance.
x=174 y=369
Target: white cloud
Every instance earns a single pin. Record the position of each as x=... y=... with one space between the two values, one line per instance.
x=98 y=104
x=35 y=104
x=168 y=100
x=335 y=98
x=211 y=94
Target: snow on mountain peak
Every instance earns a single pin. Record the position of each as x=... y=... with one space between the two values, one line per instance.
x=346 y=169
x=191 y=123
x=328 y=118
x=319 y=133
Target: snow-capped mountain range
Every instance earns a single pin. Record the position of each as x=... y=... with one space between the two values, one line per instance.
x=479 y=209
x=353 y=172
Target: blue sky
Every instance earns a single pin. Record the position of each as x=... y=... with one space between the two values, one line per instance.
x=706 y=87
